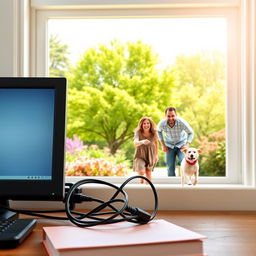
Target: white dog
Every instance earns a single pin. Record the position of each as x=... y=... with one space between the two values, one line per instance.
x=189 y=166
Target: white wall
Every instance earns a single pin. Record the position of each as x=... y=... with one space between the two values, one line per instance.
x=8 y=38
x=14 y=38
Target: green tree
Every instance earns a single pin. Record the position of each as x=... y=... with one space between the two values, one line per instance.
x=200 y=99
x=200 y=91
x=59 y=61
x=111 y=88
x=131 y=67
x=109 y=115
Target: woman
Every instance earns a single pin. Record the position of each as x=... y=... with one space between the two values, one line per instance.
x=146 y=143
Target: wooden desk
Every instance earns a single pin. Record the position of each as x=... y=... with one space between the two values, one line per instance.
x=229 y=233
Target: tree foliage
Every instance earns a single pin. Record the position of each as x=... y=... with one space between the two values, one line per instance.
x=200 y=99
x=109 y=115
x=200 y=91
x=59 y=61
x=111 y=88
x=131 y=67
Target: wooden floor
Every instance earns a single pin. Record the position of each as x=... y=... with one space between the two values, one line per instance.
x=229 y=233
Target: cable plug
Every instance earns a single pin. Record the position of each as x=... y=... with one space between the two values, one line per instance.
x=76 y=196
x=79 y=198
x=142 y=216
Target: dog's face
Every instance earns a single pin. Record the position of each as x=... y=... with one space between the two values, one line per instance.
x=191 y=154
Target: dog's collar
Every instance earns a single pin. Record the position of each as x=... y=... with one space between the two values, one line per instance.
x=191 y=163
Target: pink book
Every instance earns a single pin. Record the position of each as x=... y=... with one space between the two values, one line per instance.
x=157 y=238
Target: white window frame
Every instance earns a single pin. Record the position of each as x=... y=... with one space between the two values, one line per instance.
x=237 y=125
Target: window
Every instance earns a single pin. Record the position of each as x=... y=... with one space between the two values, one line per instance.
x=233 y=91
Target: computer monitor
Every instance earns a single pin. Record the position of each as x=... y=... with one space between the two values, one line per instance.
x=32 y=139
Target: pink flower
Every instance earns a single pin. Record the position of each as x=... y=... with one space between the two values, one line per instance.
x=74 y=144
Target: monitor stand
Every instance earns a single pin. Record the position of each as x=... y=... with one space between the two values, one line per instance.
x=6 y=214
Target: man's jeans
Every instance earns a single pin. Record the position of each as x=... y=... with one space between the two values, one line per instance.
x=171 y=159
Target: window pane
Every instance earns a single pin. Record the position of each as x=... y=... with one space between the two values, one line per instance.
x=122 y=69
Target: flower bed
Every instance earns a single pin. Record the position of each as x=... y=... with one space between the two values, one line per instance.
x=95 y=167
x=83 y=160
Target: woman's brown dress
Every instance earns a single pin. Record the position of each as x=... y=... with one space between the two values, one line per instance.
x=145 y=156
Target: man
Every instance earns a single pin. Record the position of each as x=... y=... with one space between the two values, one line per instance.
x=174 y=134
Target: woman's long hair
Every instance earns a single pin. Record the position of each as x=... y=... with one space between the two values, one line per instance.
x=153 y=129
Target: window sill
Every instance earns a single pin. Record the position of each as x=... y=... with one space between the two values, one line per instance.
x=207 y=197
x=202 y=197
x=163 y=181
x=196 y=187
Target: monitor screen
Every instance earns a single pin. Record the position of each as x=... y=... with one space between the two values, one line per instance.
x=32 y=138
x=26 y=133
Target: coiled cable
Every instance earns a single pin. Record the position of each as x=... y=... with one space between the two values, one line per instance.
x=106 y=212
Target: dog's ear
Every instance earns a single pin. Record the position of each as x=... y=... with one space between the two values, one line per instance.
x=199 y=151
x=184 y=150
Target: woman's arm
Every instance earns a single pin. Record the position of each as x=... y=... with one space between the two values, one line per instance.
x=137 y=142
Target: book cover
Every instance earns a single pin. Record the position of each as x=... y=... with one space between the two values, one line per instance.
x=158 y=237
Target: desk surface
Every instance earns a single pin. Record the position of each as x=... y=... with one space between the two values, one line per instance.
x=229 y=233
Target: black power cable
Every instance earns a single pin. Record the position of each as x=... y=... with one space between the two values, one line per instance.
x=126 y=213
x=106 y=212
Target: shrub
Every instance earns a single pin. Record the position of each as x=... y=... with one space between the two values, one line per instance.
x=213 y=157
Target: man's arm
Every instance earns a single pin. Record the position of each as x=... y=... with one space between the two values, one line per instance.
x=160 y=137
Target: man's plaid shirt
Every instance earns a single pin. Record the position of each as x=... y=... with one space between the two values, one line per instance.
x=178 y=135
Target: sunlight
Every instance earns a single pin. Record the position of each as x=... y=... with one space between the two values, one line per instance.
x=168 y=37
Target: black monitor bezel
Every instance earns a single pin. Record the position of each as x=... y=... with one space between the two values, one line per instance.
x=42 y=189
